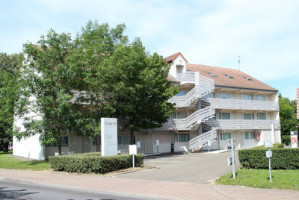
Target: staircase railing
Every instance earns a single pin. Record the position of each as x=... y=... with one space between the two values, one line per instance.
x=203 y=139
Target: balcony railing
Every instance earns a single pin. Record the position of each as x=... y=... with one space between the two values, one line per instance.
x=205 y=86
x=244 y=104
x=202 y=139
x=188 y=77
x=235 y=124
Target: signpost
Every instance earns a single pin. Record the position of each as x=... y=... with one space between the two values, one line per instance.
x=231 y=160
x=133 y=152
x=109 y=136
x=157 y=144
x=269 y=144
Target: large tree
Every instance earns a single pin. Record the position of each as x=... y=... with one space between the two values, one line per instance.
x=93 y=46
x=47 y=92
x=139 y=89
x=288 y=118
x=9 y=72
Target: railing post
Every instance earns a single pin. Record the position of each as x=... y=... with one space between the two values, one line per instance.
x=197 y=78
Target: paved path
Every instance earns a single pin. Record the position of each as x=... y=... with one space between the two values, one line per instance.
x=149 y=188
x=192 y=168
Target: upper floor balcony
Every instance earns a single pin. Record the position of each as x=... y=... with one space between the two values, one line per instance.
x=236 y=124
x=237 y=104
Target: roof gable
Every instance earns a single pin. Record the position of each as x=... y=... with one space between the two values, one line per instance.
x=171 y=58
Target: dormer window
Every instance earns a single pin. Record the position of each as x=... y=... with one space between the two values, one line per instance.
x=249 y=79
x=211 y=74
x=179 y=69
x=228 y=76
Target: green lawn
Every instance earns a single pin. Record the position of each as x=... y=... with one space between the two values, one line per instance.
x=9 y=162
x=259 y=178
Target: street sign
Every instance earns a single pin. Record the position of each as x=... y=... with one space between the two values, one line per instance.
x=133 y=149
x=269 y=154
x=268 y=144
x=157 y=142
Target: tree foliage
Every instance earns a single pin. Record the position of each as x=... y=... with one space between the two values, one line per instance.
x=287 y=113
x=9 y=72
x=47 y=91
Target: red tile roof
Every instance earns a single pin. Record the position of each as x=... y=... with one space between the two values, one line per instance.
x=225 y=77
x=171 y=58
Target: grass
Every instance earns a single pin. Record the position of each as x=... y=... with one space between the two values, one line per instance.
x=259 y=178
x=9 y=162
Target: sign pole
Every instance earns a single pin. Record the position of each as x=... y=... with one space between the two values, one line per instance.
x=233 y=159
x=270 y=172
x=133 y=161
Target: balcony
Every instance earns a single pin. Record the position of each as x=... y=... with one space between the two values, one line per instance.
x=236 y=104
x=236 y=124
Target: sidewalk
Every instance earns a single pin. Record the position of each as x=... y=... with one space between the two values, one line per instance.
x=149 y=188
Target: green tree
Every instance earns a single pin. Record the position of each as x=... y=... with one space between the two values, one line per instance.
x=288 y=118
x=47 y=90
x=138 y=87
x=9 y=72
x=94 y=45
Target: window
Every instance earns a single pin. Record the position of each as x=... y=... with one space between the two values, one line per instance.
x=224 y=115
x=228 y=76
x=249 y=116
x=179 y=69
x=94 y=140
x=124 y=139
x=181 y=137
x=249 y=79
x=181 y=93
x=261 y=116
x=225 y=136
x=210 y=95
x=64 y=142
x=260 y=98
x=178 y=115
x=223 y=95
x=249 y=135
x=211 y=74
x=247 y=97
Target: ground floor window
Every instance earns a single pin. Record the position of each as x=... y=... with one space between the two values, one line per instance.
x=249 y=135
x=181 y=137
x=225 y=136
x=124 y=139
x=64 y=142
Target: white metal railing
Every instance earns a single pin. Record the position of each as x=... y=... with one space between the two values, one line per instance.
x=186 y=77
x=205 y=86
x=234 y=124
x=243 y=104
x=195 y=118
x=202 y=139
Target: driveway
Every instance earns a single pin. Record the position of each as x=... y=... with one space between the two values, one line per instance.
x=192 y=167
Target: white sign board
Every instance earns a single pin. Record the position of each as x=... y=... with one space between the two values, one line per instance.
x=109 y=136
x=157 y=142
x=133 y=149
x=268 y=144
x=268 y=154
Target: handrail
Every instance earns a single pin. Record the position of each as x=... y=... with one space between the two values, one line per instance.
x=202 y=139
x=243 y=104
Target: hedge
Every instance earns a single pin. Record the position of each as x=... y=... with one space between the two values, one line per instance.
x=281 y=158
x=93 y=162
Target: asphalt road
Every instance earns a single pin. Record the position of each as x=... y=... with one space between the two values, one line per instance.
x=193 y=167
x=25 y=191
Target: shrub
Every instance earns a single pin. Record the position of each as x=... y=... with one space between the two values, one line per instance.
x=93 y=162
x=286 y=139
x=281 y=158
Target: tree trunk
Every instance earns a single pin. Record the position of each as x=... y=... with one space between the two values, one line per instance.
x=59 y=144
x=5 y=148
x=98 y=143
x=131 y=137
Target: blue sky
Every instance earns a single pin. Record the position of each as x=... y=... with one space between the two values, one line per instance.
x=264 y=33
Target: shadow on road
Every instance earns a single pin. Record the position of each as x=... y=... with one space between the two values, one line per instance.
x=13 y=194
